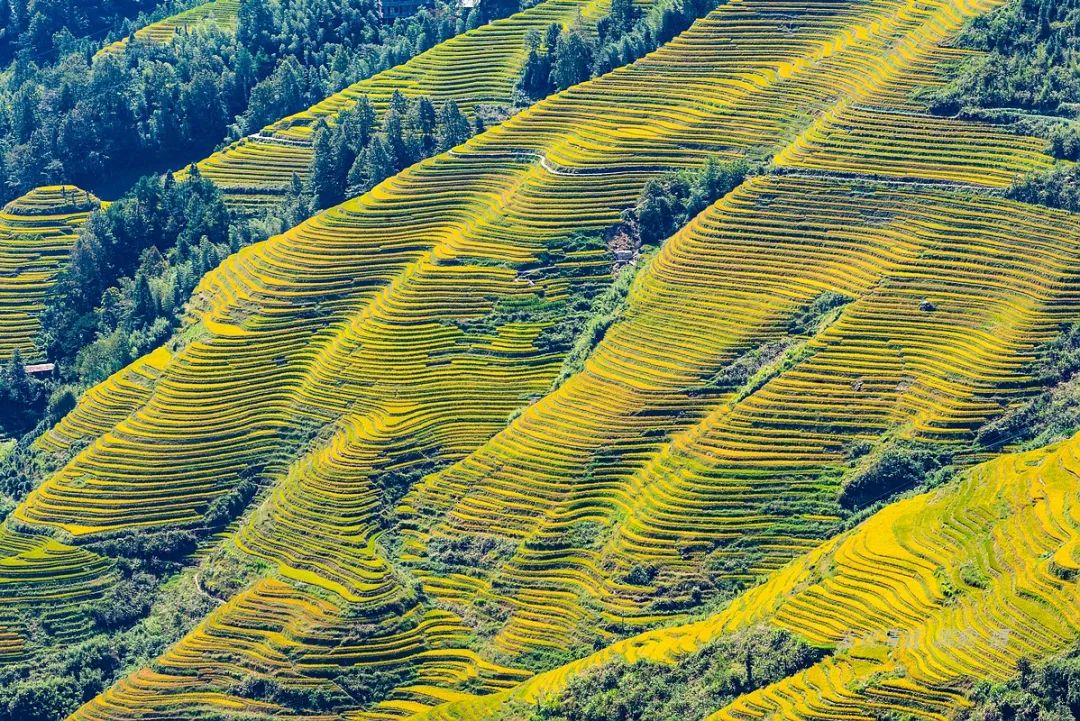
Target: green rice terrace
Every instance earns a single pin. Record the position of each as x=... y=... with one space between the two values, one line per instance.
x=575 y=360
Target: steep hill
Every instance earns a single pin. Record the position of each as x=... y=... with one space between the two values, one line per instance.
x=928 y=595
x=258 y=170
x=229 y=171
x=415 y=340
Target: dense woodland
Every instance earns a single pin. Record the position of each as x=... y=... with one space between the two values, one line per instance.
x=39 y=29
x=81 y=120
x=1032 y=63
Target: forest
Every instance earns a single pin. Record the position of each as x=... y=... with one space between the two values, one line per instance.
x=81 y=119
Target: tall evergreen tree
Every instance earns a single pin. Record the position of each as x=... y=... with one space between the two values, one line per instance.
x=573 y=60
x=453 y=126
x=327 y=175
x=255 y=25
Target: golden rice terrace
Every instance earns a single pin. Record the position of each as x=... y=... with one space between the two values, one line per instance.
x=467 y=444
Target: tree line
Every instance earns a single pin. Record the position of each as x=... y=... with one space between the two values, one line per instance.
x=357 y=152
x=78 y=118
x=1029 y=73
x=560 y=58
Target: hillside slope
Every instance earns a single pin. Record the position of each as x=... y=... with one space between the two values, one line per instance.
x=258 y=170
x=37 y=233
x=479 y=66
x=928 y=595
x=385 y=345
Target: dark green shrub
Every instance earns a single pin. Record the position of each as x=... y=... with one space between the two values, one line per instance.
x=899 y=467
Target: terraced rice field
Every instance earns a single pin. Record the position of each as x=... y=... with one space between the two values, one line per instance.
x=688 y=471
x=369 y=347
x=37 y=233
x=931 y=592
x=221 y=13
x=480 y=66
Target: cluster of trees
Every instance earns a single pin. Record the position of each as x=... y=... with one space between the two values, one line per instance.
x=22 y=398
x=357 y=153
x=1048 y=692
x=899 y=466
x=70 y=120
x=266 y=29
x=55 y=690
x=1055 y=188
x=690 y=689
x=360 y=688
x=34 y=29
x=133 y=266
x=51 y=686
x=667 y=204
x=561 y=58
x=1032 y=66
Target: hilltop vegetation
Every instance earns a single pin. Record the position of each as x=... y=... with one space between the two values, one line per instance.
x=81 y=118
x=37 y=30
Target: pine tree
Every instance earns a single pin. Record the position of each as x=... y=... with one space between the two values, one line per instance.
x=327 y=178
x=453 y=126
x=16 y=381
x=399 y=103
x=394 y=133
x=379 y=163
x=144 y=308
x=622 y=17
x=422 y=122
x=535 y=81
x=255 y=25
x=366 y=119
x=573 y=60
